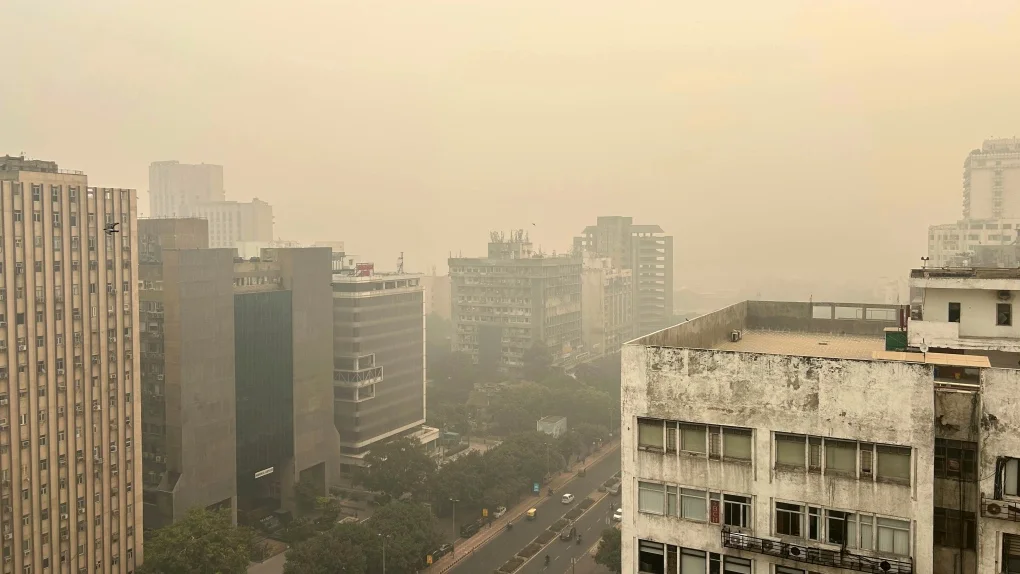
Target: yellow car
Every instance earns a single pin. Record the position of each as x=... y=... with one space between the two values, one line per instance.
x=531 y=513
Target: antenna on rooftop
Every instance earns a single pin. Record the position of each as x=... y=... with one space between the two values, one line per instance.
x=400 y=263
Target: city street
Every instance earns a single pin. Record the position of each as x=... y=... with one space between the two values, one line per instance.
x=507 y=544
x=561 y=553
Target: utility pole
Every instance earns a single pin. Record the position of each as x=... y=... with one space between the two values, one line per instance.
x=453 y=523
x=383 y=551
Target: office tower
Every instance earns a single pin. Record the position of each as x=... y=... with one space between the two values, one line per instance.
x=379 y=357
x=71 y=480
x=514 y=298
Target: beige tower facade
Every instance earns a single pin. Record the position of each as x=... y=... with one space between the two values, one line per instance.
x=71 y=481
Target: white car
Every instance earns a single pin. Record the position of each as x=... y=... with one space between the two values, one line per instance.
x=500 y=511
x=567 y=498
x=618 y=515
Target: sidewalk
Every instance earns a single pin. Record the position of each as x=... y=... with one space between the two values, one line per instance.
x=466 y=547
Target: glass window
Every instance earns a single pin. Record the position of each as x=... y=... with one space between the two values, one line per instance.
x=789 y=518
x=737 y=510
x=1004 y=314
x=692 y=561
x=840 y=528
x=692 y=438
x=651 y=497
x=894 y=536
x=894 y=463
x=694 y=504
x=671 y=501
x=955 y=459
x=954 y=529
x=737 y=444
x=867 y=532
x=785 y=570
x=790 y=450
x=650 y=433
x=651 y=557
x=841 y=457
x=1011 y=477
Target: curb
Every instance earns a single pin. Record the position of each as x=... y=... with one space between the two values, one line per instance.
x=497 y=531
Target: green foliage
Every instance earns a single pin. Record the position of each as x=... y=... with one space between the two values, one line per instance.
x=397 y=467
x=537 y=361
x=297 y=530
x=608 y=553
x=407 y=530
x=305 y=493
x=204 y=542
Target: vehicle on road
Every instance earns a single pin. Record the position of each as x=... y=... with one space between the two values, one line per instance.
x=567 y=498
x=531 y=513
x=568 y=534
x=615 y=489
x=500 y=511
x=618 y=515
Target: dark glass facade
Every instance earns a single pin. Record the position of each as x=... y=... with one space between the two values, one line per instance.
x=264 y=359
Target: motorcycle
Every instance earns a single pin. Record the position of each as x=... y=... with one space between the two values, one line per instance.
x=547 y=560
x=578 y=539
x=509 y=525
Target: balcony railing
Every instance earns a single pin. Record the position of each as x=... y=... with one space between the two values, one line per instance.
x=819 y=556
x=356 y=379
x=1001 y=509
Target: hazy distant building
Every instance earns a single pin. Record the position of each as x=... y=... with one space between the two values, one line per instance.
x=504 y=303
x=648 y=252
x=437 y=295
x=182 y=190
x=606 y=305
x=553 y=425
x=378 y=347
x=991 y=205
x=68 y=336
x=237 y=400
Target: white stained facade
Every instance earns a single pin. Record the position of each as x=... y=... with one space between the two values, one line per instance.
x=771 y=454
x=952 y=244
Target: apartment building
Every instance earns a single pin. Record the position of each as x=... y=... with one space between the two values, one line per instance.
x=236 y=363
x=234 y=223
x=647 y=252
x=606 y=305
x=514 y=298
x=438 y=295
x=71 y=496
x=378 y=358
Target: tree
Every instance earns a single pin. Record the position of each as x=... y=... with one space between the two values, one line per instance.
x=305 y=493
x=608 y=553
x=410 y=533
x=342 y=549
x=204 y=542
x=537 y=361
x=397 y=467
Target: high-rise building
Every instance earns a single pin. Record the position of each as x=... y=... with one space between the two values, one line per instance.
x=237 y=362
x=991 y=206
x=378 y=357
x=514 y=298
x=179 y=190
x=606 y=305
x=645 y=250
x=69 y=457
x=437 y=295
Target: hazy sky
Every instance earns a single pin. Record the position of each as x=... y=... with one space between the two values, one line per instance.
x=775 y=139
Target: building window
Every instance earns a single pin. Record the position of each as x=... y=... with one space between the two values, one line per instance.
x=1011 y=477
x=955 y=529
x=727 y=564
x=840 y=457
x=737 y=510
x=1004 y=314
x=692 y=438
x=840 y=528
x=650 y=434
x=785 y=570
x=1010 y=553
x=894 y=463
x=894 y=536
x=694 y=504
x=789 y=519
x=955 y=459
x=652 y=557
x=954 y=312
x=790 y=450
x=651 y=497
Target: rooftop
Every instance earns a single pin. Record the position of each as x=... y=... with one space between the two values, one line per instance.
x=552 y=419
x=835 y=346
x=965 y=273
x=808 y=329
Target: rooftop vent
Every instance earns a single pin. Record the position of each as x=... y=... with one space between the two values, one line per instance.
x=735 y=335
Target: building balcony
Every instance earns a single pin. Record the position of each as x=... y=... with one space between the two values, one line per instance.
x=357 y=379
x=1001 y=509
x=947 y=335
x=812 y=555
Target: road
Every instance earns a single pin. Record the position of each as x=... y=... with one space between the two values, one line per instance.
x=506 y=545
x=561 y=553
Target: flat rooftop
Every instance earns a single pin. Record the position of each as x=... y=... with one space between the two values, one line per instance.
x=965 y=273
x=826 y=345
x=807 y=329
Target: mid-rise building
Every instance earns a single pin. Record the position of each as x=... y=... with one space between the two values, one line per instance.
x=606 y=305
x=179 y=190
x=236 y=364
x=378 y=348
x=820 y=437
x=514 y=298
x=645 y=250
x=437 y=295
x=69 y=457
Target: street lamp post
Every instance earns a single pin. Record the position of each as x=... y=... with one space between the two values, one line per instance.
x=384 y=552
x=453 y=523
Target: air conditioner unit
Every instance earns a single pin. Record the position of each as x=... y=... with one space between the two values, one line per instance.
x=60 y=371
x=4 y=426
x=3 y=421
x=64 y=517
x=8 y=536
x=3 y=324
x=22 y=347
x=4 y=401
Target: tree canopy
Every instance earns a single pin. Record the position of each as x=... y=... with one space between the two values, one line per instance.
x=204 y=542
x=397 y=467
x=608 y=553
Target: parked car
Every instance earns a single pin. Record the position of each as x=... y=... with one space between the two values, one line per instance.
x=567 y=498
x=618 y=515
x=500 y=511
x=615 y=489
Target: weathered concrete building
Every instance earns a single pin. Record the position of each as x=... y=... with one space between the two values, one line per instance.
x=904 y=448
x=378 y=358
x=504 y=303
x=753 y=442
x=69 y=455
x=607 y=311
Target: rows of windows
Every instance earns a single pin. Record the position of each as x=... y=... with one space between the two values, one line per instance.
x=840 y=527
x=659 y=558
x=717 y=442
x=694 y=504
